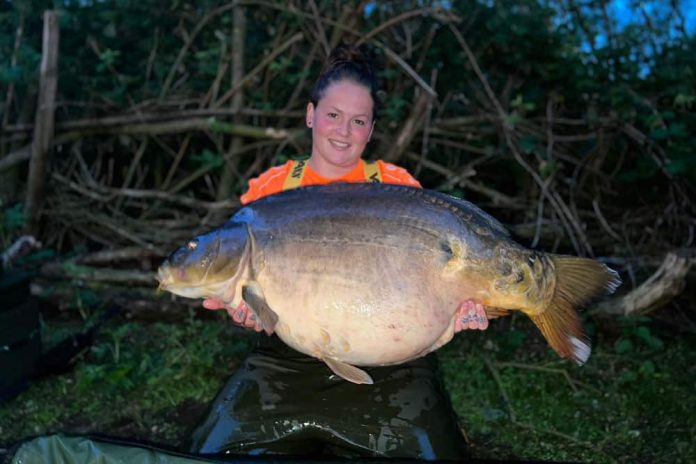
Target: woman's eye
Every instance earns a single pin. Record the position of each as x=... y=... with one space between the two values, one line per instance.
x=333 y=115
x=359 y=122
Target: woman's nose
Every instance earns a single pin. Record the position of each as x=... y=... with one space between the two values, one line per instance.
x=344 y=128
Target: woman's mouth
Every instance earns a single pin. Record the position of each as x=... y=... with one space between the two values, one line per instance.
x=339 y=145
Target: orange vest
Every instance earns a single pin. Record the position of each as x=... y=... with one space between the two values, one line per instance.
x=294 y=174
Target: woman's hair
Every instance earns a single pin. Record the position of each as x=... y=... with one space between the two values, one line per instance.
x=351 y=63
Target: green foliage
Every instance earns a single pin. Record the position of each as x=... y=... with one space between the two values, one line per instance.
x=628 y=407
x=11 y=221
x=207 y=159
x=138 y=373
x=13 y=218
x=620 y=407
x=537 y=56
x=637 y=336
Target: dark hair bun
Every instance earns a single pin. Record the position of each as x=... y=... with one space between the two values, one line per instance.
x=349 y=55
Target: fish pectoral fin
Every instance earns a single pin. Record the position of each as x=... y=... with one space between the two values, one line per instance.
x=253 y=297
x=493 y=312
x=348 y=372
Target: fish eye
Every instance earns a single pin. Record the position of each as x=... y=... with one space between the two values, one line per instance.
x=192 y=245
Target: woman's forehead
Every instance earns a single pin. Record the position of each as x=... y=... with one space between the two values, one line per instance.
x=348 y=96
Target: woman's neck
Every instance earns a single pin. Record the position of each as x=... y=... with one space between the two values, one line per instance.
x=330 y=171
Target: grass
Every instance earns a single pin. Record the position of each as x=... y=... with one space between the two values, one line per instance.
x=632 y=402
x=149 y=381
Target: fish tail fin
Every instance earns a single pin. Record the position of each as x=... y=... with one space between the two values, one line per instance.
x=578 y=281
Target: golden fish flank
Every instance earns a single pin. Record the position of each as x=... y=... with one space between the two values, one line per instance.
x=380 y=269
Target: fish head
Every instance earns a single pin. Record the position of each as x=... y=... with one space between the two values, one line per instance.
x=209 y=265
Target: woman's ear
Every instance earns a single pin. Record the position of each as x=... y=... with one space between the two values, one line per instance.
x=372 y=129
x=310 y=114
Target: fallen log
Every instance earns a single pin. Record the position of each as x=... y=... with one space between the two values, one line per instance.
x=136 y=302
x=73 y=271
x=655 y=292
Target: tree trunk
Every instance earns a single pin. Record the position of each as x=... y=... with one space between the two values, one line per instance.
x=225 y=187
x=8 y=179
x=44 y=125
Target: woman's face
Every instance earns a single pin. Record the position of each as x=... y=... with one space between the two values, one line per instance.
x=341 y=126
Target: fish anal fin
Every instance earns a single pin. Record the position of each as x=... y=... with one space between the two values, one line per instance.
x=563 y=331
x=253 y=297
x=348 y=372
x=494 y=313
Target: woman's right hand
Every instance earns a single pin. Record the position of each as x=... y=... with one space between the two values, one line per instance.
x=242 y=315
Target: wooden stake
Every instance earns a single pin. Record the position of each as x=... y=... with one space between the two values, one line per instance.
x=44 y=125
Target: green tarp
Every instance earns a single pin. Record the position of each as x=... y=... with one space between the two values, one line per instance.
x=84 y=450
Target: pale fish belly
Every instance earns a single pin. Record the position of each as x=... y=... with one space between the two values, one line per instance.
x=367 y=307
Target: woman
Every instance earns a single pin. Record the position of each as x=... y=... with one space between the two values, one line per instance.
x=281 y=401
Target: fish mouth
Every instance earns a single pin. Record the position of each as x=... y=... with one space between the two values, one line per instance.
x=164 y=277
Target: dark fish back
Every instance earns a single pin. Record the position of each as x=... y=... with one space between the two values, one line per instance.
x=388 y=200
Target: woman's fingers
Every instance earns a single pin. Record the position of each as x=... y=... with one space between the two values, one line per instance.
x=210 y=303
x=471 y=315
x=241 y=315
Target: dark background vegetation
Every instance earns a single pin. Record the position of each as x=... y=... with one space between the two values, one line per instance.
x=572 y=122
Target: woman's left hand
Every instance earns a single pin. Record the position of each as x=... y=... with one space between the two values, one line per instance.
x=242 y=315
x=471 y=315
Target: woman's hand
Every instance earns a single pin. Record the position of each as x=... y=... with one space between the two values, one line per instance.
x=470 y=316
x=242 y=315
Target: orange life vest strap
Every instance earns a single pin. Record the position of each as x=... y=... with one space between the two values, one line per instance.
x=372 y=172
x=298 y=168
x=296 y=174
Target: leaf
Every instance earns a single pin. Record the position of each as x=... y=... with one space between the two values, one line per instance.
x=14 y=218
x=513 y=119
x=208 y=158
x=653 y=342
x=528 y=143
x=660 y=133
x=647 y=368
x=683 y=101
x=492 y=414
x=623 y=346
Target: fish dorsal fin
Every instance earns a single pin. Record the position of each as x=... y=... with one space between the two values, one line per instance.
x=466 y=207
x=253 y=297
x=348 y=372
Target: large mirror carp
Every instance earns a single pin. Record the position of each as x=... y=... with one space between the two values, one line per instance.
x=372 y=274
